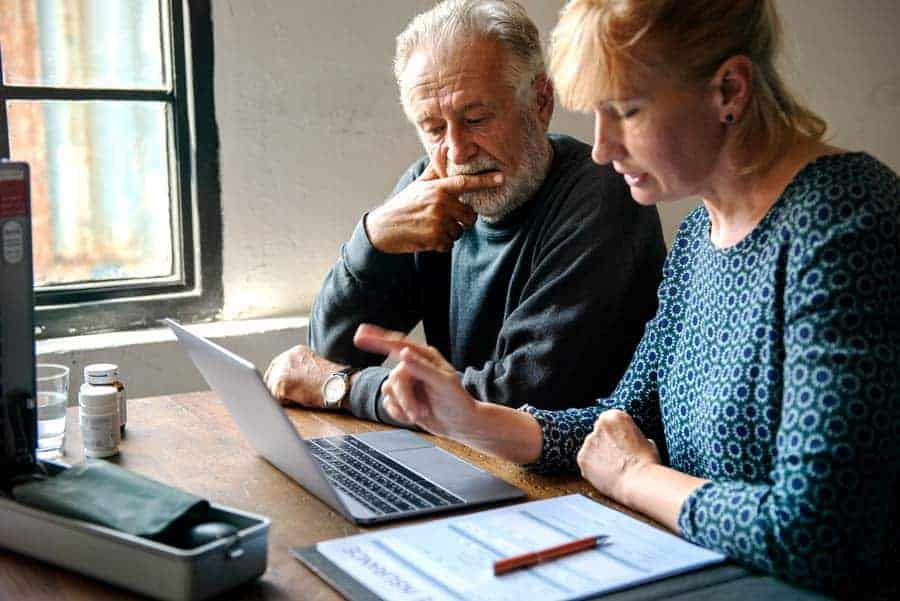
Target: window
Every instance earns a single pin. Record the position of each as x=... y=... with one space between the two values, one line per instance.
x=110 y=102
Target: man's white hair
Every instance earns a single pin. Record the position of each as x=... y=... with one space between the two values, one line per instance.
x=452 y=25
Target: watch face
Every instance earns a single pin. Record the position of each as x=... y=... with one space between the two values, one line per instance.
x=334 y=389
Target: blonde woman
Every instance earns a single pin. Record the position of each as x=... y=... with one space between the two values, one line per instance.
x=760 y=415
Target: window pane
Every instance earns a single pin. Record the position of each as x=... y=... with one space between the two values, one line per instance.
x=101 y=197
x=83 y=43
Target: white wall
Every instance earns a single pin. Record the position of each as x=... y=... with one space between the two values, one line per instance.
x=312 y=134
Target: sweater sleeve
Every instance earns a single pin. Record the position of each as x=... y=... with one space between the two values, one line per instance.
x=637 y=394
x=826 y=514
x=582 y=310
x=365 y=285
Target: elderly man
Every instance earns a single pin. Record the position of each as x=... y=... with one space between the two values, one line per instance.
x=530 y=267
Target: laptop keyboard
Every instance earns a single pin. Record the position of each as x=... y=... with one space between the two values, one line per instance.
x=374 y=479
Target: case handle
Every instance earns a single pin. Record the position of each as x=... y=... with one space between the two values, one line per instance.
x=235 y=550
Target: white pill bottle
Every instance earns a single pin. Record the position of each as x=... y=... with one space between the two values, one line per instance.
x=98 y=416
x=107 y=374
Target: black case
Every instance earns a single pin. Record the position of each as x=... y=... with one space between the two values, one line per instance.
x=18 y=409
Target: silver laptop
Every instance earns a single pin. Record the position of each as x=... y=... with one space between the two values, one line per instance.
x=369 y=477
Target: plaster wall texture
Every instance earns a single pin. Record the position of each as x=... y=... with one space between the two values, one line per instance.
x=312 y=134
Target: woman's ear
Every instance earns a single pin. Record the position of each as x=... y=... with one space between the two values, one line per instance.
x=732 y=84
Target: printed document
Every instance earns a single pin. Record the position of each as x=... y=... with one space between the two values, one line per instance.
x=453 y=558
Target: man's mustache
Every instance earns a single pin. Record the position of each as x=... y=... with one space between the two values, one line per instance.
x=472 y=167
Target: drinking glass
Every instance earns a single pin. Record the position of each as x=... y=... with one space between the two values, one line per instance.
x=52 y=397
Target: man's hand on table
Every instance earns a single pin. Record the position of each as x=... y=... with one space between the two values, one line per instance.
x=297 y=375
x=427 y=215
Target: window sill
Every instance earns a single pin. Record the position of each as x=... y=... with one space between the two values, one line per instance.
x=151 y=362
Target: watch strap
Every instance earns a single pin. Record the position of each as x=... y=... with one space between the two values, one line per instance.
x=348 y=371
x=346 y=374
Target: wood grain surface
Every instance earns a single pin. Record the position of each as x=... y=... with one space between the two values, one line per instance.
x=190 y=441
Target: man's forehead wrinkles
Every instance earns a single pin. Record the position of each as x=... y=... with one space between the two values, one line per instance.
x=443 y=83
x=432 y=99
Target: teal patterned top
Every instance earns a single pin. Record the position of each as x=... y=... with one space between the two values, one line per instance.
x=771 y=369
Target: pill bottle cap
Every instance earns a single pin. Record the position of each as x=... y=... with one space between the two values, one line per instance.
x=98 y=399
x=101 y=373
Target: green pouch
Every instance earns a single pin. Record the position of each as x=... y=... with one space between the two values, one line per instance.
x=104 y=493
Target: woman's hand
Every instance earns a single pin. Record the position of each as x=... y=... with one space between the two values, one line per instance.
x=423 y=388
x=614 y=453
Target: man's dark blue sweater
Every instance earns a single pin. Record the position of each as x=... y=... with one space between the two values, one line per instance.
x=545 y=307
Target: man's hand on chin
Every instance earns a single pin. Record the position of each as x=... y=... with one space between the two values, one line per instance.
x=297 y=375
x=427 y=215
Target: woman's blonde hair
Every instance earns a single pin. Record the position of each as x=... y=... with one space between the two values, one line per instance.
x=601 y=47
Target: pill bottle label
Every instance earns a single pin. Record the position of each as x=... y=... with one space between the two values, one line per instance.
x=100 y=434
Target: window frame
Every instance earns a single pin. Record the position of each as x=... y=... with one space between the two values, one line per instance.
x=84 y=308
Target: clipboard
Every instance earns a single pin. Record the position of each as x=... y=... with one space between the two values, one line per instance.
x=449 y=558
x=727 y=581
x=336 y=578
x=711 y=579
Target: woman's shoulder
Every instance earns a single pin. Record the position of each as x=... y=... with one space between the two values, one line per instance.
x=842 y=177
x=692 y=230
x=843 y=191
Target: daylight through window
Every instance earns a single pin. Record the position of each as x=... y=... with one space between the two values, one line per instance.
x=95 y=100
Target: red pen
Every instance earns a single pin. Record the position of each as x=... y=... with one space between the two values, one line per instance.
x=502 y=566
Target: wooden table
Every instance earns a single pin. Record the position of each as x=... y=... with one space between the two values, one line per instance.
x=190 y=441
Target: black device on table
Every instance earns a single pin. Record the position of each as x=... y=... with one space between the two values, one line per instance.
x=18 y=406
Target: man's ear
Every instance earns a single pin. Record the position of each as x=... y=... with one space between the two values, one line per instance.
x=732 y=85
x=543 y=96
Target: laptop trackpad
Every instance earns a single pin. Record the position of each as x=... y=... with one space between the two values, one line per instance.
x=441 y=467
x=463 y=479
x=390 y=441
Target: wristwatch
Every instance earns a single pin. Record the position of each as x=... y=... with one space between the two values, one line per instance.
x=337 y=387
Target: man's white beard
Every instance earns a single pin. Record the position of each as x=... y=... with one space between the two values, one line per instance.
x=493 y=204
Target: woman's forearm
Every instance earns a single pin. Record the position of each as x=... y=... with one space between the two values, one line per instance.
x=654 y=490
x=503 y=432
x=658 y=492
